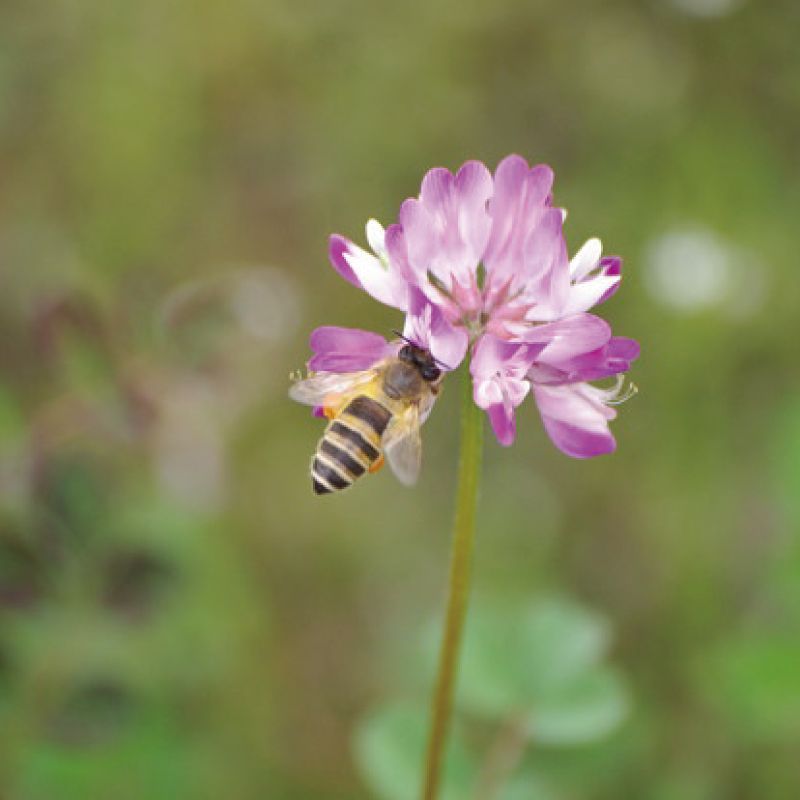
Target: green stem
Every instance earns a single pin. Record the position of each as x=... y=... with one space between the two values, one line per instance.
x=458 y=589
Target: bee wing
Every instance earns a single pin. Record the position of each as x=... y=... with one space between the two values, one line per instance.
x=403 y=445
x=425 y=407
x=324 y=388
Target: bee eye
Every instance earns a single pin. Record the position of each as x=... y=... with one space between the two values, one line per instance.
x=430 y=373
x=405 y=353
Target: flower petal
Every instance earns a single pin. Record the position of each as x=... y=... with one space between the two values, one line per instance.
x=337 y=247
x=446 y=229
x=623 y=347
x=486 y=393
x=586 y=294
x=500 y=385
x=394 y=241
x=473 y=187
x=585 y=260
x=568 y=338
x=594 y=278
x=362 y=269
x=609 y=266
x=427 y=327
x=376 y=236
x=576 y=419
x=346 y=349
x=521 y=196
x=491 y=354
x=611 y=359
x=547 y=266
x=503 y=423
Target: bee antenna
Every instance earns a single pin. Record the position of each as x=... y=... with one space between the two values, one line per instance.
x=404 y=338
x=408 y=341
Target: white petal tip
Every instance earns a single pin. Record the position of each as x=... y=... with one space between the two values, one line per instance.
x=376 y=236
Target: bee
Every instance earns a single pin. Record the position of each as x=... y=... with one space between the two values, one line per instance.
x=375 y=412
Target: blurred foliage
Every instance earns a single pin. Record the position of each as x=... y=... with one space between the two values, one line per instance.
x=178 y=619
x=390 y=748
x=531 y=679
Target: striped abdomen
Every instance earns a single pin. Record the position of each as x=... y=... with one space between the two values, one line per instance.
x=350 y=446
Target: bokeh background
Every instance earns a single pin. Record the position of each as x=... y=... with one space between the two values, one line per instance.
x=179 y=617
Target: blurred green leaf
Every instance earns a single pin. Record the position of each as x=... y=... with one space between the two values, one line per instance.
x=517 y=657
x=389 y=748
x=587 y=708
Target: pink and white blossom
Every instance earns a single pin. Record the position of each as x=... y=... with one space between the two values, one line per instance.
x=478 y=263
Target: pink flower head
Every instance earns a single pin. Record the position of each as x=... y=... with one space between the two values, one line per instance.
x=478 y=263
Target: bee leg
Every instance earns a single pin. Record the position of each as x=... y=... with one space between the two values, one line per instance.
x=377 y=464
x=329 y=407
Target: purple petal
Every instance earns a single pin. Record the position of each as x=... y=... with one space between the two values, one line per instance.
x=346 y=349
x=362 y=269
x=547 y=265
x=436 y=187
x=503 y=423
x=337 y=247
x=604 y=362
x=395 y=244
x=500 y=384
x=418 y=239
x=575 y=418
x=622 y=347
x=446 y=229
x=568 y=338
x=489 y=355
x=578 y=442
x=610 y=266
x=473 y=188
x=427 y=327
x=520 y=199
x=492 y=355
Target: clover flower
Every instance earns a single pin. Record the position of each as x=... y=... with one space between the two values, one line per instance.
x=479 y=266
x=479 y=263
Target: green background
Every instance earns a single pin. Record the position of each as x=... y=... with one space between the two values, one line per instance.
x=179 y=617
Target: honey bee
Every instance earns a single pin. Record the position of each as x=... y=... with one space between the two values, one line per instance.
x=377 y=411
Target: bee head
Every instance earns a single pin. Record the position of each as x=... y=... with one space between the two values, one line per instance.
x=430 y=372
x=422 y=360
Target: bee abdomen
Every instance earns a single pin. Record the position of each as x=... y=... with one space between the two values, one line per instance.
x=327 y=476
x=351 y=444
x=371 y=413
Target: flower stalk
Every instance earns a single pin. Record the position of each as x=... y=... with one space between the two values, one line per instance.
x=458 y=586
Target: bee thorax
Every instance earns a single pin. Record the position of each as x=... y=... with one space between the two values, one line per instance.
x=402 y=380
